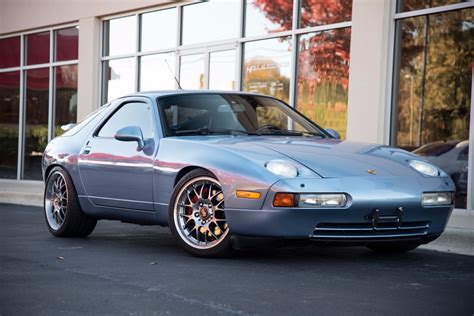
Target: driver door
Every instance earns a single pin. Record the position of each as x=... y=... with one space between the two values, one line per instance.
x=115 y=173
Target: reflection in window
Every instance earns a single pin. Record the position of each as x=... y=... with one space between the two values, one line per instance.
x=10 y=52
x=434 y=80
x=410 y=5
x=192 y=72
x=66 y=96
x=222 y=70
x=323 y=77
x=210 y=21
x=120 y=36
x=268 y=16
x=158 y=30
x=37 y=48
x=119 y=76
x=36 y=128
x=322 y=12
x=9 y=111
x=67 y=43
x=156 y=72
x=267 y=67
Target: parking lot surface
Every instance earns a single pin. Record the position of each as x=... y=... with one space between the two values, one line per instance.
x=125 y=269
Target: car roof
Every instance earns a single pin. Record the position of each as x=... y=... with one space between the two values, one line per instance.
x=162 y=93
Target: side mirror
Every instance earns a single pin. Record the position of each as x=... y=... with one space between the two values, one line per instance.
x=131 y=134
x=333 y=133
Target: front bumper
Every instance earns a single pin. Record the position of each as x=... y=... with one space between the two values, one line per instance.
x=396 y=201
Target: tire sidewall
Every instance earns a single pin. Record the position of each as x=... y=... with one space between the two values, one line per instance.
x=71 y=194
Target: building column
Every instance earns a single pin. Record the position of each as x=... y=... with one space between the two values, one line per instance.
x=89 y=66
x=368 y=117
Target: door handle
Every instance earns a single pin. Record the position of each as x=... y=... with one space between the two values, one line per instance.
x=86 y=150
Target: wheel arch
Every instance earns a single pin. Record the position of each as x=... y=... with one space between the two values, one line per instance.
x=184 y=171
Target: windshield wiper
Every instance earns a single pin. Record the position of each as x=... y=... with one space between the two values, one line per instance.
x=207 y=131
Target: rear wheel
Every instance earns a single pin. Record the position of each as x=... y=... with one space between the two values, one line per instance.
x=393 y=248
x=62 y=211
x=197 y=217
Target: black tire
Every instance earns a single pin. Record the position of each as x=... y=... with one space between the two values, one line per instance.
x=222 y=249
x=75 y=223
x=393 y=248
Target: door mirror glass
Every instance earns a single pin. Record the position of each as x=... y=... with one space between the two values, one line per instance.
x=131 y=134
x=333 y=133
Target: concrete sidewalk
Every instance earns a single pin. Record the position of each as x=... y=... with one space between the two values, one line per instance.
x=457 y=238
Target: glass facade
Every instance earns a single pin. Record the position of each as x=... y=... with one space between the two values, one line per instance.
x=41 y=83
x=209 y=21
x=322 y=12
x=267 y=67
x=266 y=17
x=9 y=118
x=410 y=5
x=323 y=77
x=261 y=46
x=222 y=70
x=192 y=71
x=432 y=97
x=152 y=65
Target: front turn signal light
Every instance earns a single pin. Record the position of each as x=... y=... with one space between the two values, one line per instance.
x=247 y=194
x=284 y=200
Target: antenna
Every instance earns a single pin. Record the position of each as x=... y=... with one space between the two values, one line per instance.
x=176 y=79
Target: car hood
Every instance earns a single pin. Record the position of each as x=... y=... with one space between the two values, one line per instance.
x=327 y=157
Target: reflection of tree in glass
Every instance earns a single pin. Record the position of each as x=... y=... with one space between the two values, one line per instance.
x=435 y=78
x=323 y=60
x=323 y=77
x=322 y=12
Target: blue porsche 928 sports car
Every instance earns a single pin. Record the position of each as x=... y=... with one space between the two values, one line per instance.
x=218 y=165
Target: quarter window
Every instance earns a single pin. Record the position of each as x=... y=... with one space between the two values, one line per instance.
x=131 y=114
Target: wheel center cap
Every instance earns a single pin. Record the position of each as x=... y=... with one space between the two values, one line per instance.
x=204 y=212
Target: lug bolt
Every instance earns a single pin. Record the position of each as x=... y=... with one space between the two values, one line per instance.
x=196 y=214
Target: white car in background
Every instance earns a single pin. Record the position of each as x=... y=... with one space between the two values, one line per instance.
x=451 y=157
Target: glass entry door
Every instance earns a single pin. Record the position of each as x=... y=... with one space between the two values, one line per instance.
x=211 y=68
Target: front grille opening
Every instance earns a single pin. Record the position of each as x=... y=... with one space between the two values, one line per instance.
x=367 y=230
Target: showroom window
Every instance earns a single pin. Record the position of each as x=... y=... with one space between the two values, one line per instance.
x=432 y=85
x=296 y=50
x=38 y=93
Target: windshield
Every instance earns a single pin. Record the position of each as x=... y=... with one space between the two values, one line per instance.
x=204 y=114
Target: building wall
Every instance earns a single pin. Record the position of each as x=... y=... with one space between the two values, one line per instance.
x=44 y=13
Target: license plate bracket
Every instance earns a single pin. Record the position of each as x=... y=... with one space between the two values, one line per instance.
x=377 y=218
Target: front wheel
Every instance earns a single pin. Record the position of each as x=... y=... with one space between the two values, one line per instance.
x=393 y=248
x=62 y=211
x=197 y=217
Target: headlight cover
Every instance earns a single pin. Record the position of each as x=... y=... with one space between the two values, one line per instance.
x=437 y=198
x=282 y=168
x=424 y=168
x=323 y=200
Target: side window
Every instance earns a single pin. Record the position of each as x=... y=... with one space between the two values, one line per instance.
x=131 y=114
x=463 y=154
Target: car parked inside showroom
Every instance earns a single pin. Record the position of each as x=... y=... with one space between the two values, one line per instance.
x=214 y=166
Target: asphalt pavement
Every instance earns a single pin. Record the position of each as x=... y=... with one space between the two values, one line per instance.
x=124 y=269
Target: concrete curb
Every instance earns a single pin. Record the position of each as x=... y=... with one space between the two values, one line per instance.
x=31 y=199
x=455 y=240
